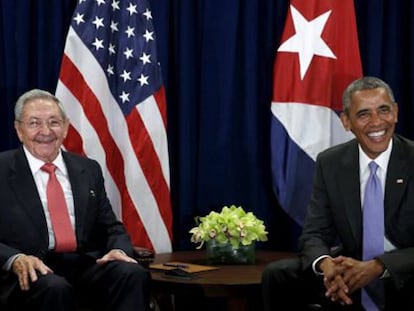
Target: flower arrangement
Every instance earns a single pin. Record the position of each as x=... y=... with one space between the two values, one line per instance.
x=232 y=225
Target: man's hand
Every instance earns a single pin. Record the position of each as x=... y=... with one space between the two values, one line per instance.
x=345 y=275
x=336 y=288
x=115 y=254
x=26 y=267
x=358 y=274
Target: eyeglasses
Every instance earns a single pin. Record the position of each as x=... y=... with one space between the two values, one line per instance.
x=35 y=124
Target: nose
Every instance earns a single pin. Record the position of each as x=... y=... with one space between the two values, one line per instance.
x=44 y=127
x=375 y=118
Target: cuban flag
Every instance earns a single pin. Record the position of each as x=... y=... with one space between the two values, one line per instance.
x=316 y=60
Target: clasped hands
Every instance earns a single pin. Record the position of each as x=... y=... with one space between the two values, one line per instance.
x=26 y=267
x=344 y=275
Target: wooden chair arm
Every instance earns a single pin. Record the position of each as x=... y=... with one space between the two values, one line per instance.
x=143 y=255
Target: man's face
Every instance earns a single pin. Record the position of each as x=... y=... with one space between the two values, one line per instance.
x=372 y=117
x=42 y=129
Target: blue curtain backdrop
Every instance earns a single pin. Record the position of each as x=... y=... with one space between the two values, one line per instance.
x=217 y=59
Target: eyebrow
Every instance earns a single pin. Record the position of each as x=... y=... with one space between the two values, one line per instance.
x=384 y=105
x=50 y=118
x=362 y=110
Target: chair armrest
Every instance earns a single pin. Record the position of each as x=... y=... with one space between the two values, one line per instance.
x=143 y=255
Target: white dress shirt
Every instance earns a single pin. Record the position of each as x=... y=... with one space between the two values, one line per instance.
x=364 y=171
x=41 y=178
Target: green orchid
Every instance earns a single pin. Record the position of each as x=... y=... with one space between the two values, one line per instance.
x=232 y=225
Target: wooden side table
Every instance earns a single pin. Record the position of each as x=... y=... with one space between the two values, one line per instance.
x=235 y=283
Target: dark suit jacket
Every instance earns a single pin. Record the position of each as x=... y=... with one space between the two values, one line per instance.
x=23 y=227
x=335 y=216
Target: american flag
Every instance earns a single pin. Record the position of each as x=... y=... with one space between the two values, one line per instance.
x=110 y=84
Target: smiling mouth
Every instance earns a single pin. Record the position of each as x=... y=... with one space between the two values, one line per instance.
x=45 y=140
x=376 y=135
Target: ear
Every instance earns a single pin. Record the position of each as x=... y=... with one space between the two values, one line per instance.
x=66 y=128
x=18 y=130
x=396 y=112
x=345 y=121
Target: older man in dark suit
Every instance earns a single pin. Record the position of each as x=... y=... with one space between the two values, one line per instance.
x=335 y=220
x=49 y=264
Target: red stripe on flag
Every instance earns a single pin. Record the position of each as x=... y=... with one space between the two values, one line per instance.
x=73 y=141
x=162 y=104
x=114 y=161
x=150 y=165
x=162 y=107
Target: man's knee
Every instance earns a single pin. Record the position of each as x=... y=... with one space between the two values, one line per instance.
x=133 y=272
x=282 y=270
x=52 y=283
x=279 y=284
x=48 y=292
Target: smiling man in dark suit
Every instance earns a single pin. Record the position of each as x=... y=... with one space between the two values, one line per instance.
x=38 y=270
x=335 y=218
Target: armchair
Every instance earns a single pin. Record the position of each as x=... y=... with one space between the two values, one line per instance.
x=144 y=256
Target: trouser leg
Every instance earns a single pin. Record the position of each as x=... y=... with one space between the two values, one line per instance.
x=116 y=286
x=282 y=286
x=50 y=292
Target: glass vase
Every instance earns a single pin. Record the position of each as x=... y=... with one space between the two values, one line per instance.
x=225 y=253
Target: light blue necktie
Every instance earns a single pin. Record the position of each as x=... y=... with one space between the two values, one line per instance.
x=373 y=232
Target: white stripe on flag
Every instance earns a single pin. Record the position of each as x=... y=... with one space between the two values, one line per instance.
x=90 y=147
x=325 y=128
x=152 y=119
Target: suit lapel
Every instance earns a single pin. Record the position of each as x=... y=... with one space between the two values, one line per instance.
x=398 y=173
x=349 y=186
x=22 y=184
x=80 y=191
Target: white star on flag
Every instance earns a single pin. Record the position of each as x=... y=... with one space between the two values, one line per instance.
x=307 y=41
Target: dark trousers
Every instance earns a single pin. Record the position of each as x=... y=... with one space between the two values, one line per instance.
x=78 y=280
x=285 y=286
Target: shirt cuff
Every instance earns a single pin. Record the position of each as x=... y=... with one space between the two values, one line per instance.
x=385 y=274
x=315 y=264
x=8 y=264
x=119 y=250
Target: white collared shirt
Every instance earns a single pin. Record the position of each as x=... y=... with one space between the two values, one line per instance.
x=364 y=171
x=41 y=179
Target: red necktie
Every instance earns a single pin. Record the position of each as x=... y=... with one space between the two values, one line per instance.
x=65 y=240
